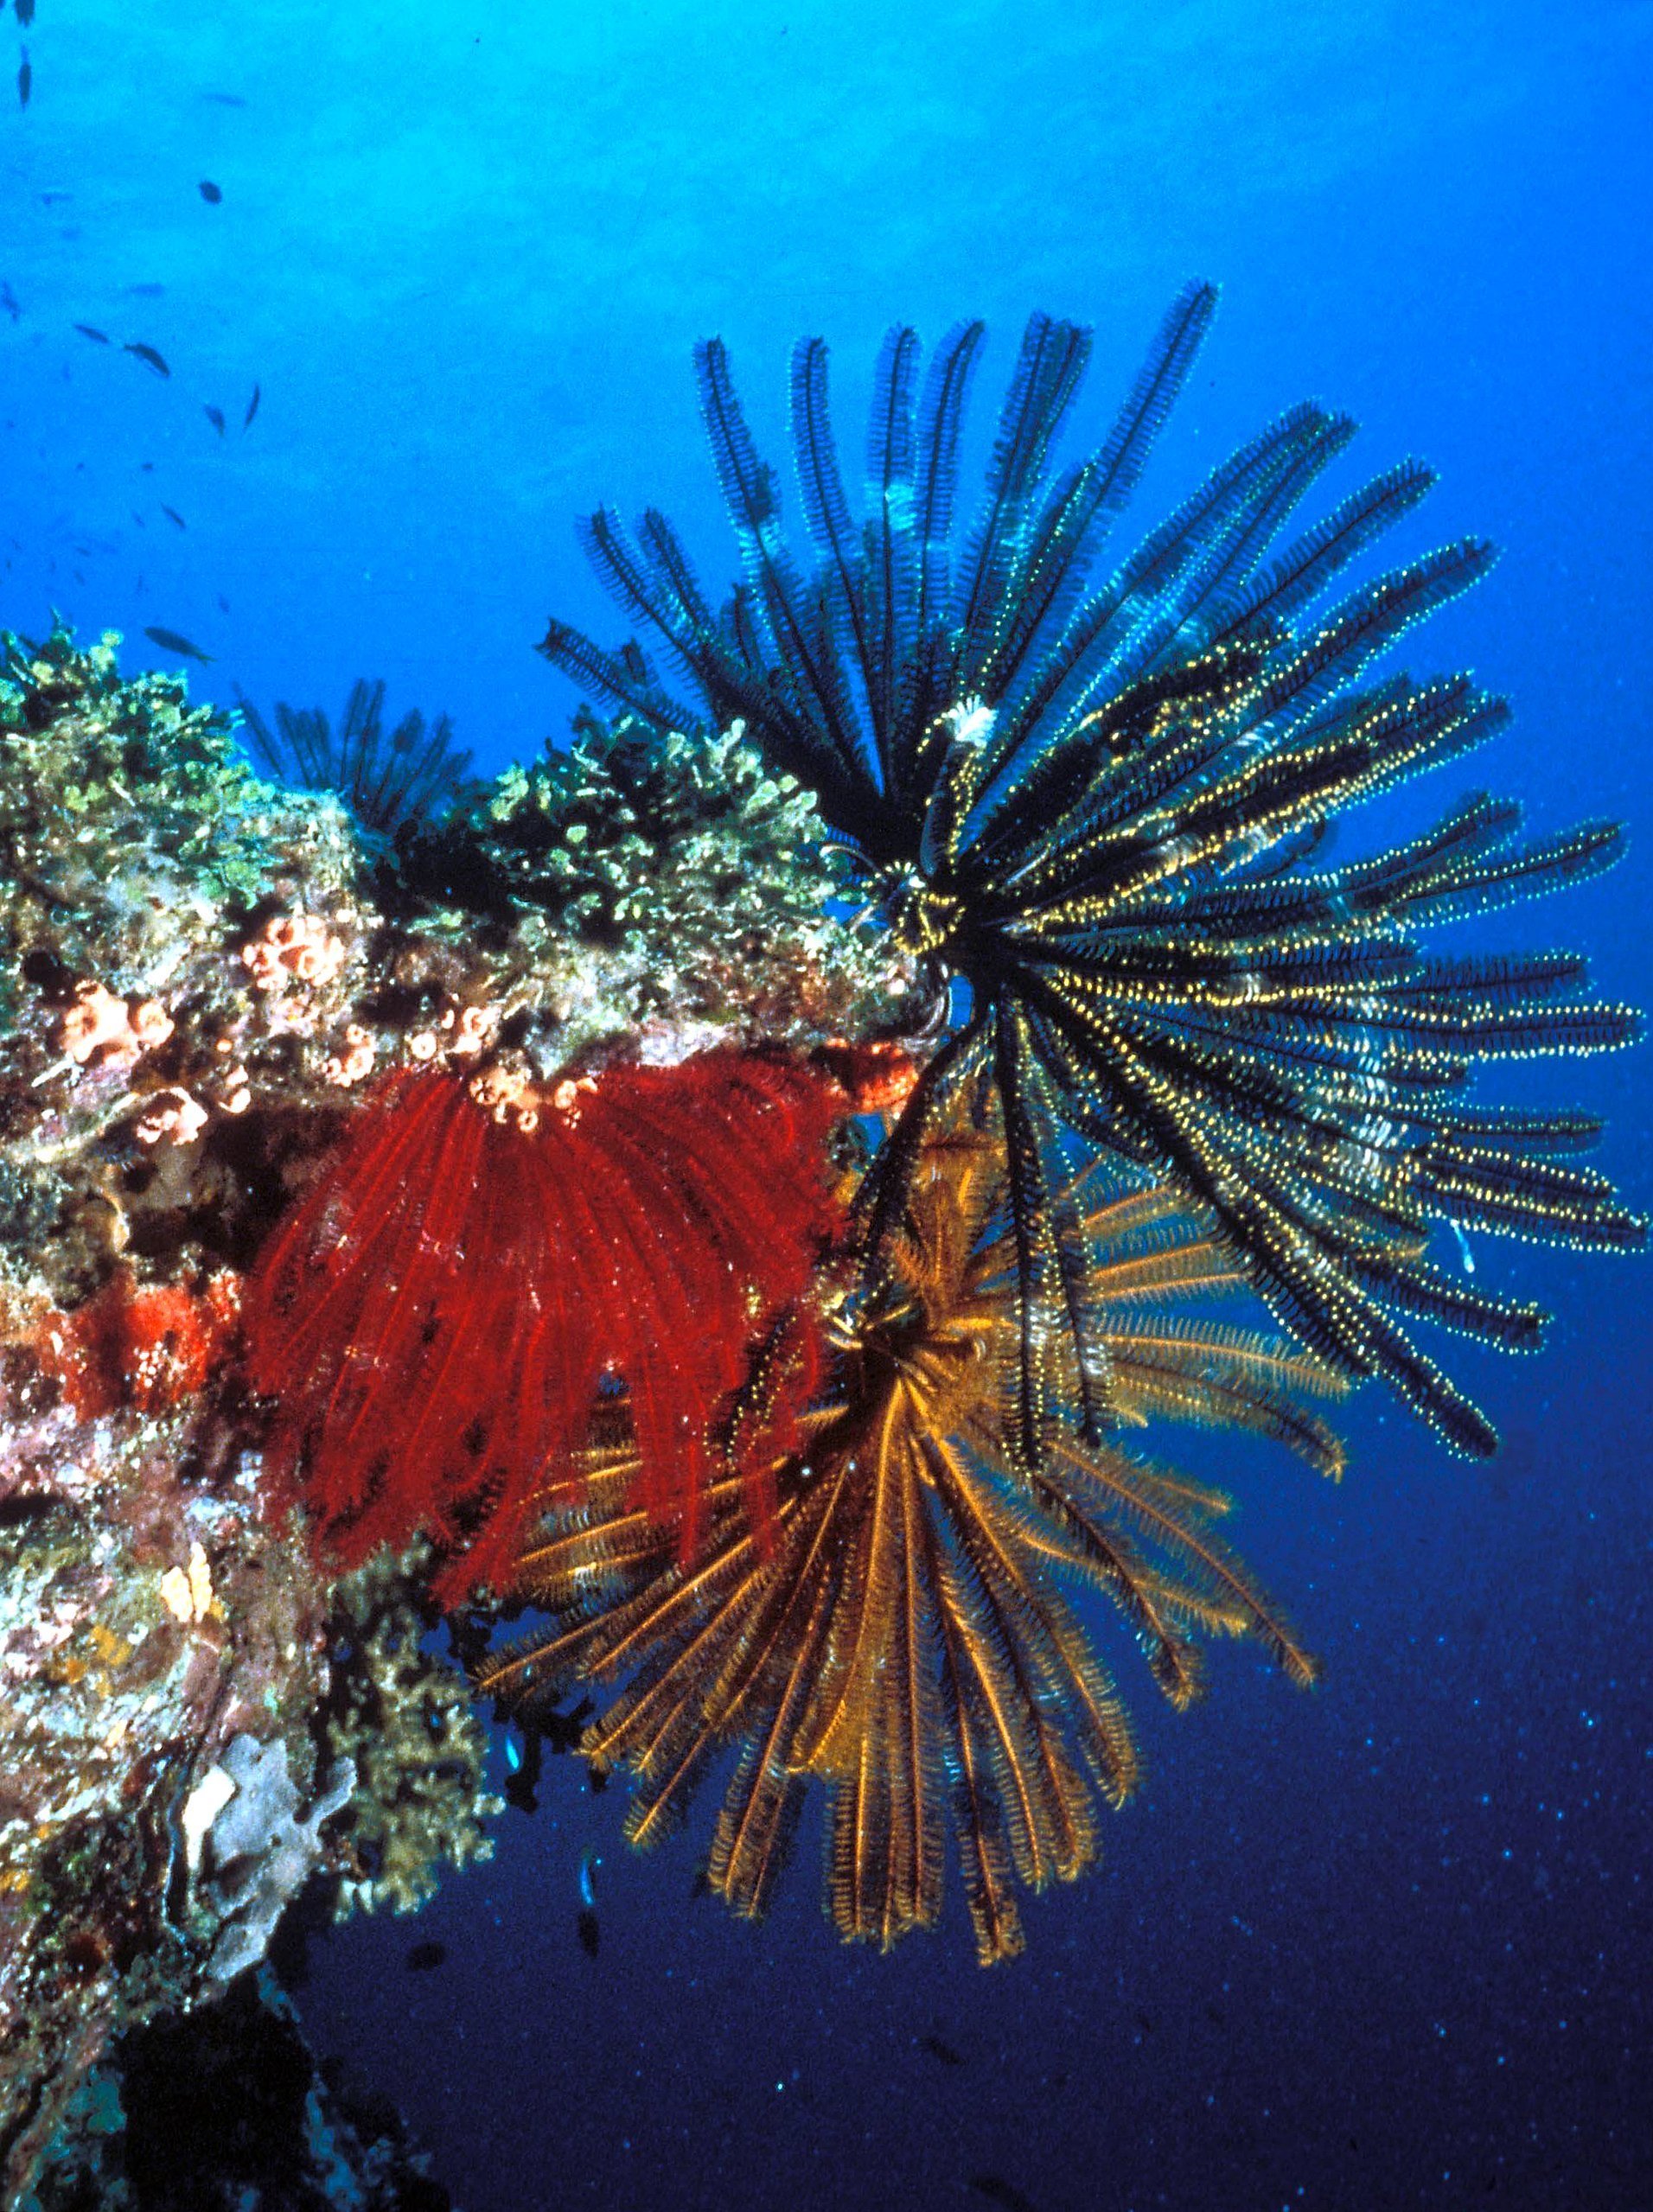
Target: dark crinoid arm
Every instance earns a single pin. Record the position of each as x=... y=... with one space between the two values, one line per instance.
x=1100 y=796
x=1275 y=1040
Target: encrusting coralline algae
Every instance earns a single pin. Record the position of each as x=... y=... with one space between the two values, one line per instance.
x=202 y=971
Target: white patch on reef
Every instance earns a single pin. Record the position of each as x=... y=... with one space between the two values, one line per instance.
x=202 y=1808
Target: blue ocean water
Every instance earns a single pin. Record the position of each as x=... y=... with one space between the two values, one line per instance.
x=1387 y=1945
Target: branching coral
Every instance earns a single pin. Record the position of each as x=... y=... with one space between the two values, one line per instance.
x=906 y=1634
x=692 y=880
x=130 y=823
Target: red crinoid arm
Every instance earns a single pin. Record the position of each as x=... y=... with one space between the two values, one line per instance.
x=404 y=1321
x=722 y=1158
x=435 y=1317
x=534 y=1325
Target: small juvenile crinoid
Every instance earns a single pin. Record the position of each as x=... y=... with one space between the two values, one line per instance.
x=1097 y=796
x=393 y=781
x=904 y=1628
x=437 y=1318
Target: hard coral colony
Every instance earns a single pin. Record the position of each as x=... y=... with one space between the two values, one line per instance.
x=736 y=1184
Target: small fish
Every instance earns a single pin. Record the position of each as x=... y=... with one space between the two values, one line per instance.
x=9 y=300
x=225 y=100
x=25 y=12
x=53 y=199
x=252 y=407
x=25 y=80
x=172 y=641
x=223 y=604
x=425 y=1956
x=585 y=1927
x=943 y=2052
x=173 y=515
x=146 y=291
x=701 y=1885
x=209 y=192
x=90 y=330
x=998 y=2190
x=215 y=416
x=589 y=1861
x=148 y=354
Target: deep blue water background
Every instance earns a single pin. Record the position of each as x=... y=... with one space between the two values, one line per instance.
x=1385 y=1945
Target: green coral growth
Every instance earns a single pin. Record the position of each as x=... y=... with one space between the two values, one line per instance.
x=129 y=819
x=628 y=836
x=649 y=875
x=407 y=1721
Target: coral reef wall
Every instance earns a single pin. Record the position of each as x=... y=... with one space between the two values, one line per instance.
x=203 y=974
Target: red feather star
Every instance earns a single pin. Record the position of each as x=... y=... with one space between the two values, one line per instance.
x=437 y=1318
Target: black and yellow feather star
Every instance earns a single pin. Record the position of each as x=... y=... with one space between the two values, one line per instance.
x=1101 y=805
x=902 y=1630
